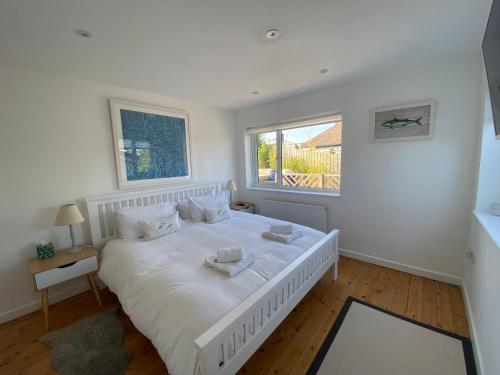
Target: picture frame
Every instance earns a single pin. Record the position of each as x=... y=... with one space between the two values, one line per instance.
x=152 y=144
x=407 y=122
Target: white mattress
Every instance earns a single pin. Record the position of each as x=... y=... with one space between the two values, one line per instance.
x=172 y=298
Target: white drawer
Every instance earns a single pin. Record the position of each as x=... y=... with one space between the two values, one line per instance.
x=58 y=275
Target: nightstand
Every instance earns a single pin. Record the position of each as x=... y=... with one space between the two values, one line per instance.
x=62 y=267
x=243 y=207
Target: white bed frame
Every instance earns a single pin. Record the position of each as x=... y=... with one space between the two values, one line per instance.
x=228 y=344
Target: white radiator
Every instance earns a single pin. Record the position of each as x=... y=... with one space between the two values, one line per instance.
x=298 y=213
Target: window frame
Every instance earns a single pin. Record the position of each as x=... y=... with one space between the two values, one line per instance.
x=255 y=161
x=278 y=129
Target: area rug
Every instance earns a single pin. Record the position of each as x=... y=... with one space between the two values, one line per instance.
x=366 y=339
x=92 y=346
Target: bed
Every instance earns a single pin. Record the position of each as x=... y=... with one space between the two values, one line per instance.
x=199 y=320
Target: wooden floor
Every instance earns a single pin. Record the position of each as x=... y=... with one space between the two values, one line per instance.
x=289 y=350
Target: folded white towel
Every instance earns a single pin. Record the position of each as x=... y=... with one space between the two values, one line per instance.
x=231 y=269
x=281 y=228
x=284 y=238
x=229 y=254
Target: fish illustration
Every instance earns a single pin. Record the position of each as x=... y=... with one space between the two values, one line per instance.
x=402 y=122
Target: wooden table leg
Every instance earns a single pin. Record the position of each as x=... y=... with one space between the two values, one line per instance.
x=94 y=287
x=45 y=306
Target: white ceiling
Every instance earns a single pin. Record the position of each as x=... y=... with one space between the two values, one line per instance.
x=214 y=50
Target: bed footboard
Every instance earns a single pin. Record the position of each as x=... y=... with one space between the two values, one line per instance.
x=228 y=344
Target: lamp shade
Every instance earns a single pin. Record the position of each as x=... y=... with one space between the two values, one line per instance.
x=69 y=214
x=231 y=185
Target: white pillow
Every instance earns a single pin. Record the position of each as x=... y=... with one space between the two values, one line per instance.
x=127 y=219
x=161 y=227
x=219 y=213
x=197 y=205
x=184 y=209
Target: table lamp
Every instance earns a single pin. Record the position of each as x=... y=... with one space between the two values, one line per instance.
x=231 y=186
x=69 y=214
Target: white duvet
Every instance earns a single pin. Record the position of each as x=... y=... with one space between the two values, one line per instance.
x=172 y=298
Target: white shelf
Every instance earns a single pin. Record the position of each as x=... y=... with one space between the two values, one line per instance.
x=491 y=225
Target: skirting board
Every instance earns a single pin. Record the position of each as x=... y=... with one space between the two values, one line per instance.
x=473 y=332
x=37 y=305
x=434 y=275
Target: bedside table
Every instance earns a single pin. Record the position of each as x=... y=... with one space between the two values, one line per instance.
x=243 y=207
x=62 y=267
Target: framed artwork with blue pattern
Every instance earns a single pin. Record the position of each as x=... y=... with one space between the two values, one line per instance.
x=152 y=144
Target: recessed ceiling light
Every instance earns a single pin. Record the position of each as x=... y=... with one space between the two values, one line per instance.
x=323 y=70
x=272 y=34
x=255 y=92
x=83 y=33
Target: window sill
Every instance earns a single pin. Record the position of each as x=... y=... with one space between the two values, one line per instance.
x=299 y=192
x=491 y=225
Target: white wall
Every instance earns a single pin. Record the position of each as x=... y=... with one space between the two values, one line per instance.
x=482 y=278
x=482 y=285
x=488 y=178
x=406 y=202
x=56 y=147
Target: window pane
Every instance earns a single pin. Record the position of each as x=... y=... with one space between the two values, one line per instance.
x=311 y=156
x=266 y=157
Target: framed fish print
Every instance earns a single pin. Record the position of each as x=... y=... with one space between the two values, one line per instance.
x=409 y=122
x=152 y=144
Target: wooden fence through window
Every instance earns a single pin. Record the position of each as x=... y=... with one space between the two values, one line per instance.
x=324 y=164
x=319 y=160
x=312 y=180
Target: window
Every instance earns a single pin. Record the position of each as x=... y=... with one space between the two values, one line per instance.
x=303 y=156
x=267 y=158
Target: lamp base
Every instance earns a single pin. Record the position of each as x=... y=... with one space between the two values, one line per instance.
x=73 y=250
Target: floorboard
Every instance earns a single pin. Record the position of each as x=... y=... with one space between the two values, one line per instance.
x=289 y=350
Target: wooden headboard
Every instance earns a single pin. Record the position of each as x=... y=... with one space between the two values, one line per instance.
x=100 y=208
